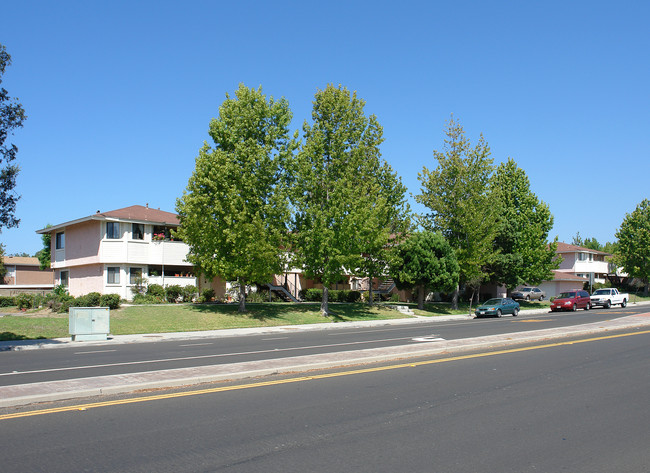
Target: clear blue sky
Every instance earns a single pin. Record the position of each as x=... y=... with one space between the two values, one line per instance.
x=119 y=94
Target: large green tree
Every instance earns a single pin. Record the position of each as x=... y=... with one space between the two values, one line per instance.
x=425 y=261
x=44 y=255
x=12 y=116
x=633 y=249
x=462 y=206
x=523 y=252
x=235 y=210
x=340 y=198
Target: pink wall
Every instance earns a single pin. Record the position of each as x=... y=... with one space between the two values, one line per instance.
x=85 y=279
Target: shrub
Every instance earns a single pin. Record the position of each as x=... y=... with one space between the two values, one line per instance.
x=313 y=295
x=207 y=295
x=352 y=296
x=189 y=292
x=156 y=290
x=147 y=299
x=7 y=301
x=112 y=301
x=60 y=290
x=24 y=301
x=394 y=297
x=257 y=296
x=173 y=293
x=93 y=299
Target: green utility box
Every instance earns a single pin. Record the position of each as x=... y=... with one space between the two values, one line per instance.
x=89 y=323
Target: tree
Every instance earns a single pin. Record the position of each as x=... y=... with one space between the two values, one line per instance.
x=3 y=269
x=12 y=116
x=633 y=251
x=425 y=261
x=235 y=209
x=340 y=206
x=386 y=222
x=523 y=253
x=462 y=206
x=45 y=254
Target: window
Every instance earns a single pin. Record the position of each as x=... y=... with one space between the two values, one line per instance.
x=137 y=231
x=135 y=275
x=113 y=230
x=113 y=275
x=63 y=278
x=60 y=240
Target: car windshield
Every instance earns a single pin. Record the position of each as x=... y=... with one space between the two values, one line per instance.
x=526 y=289
x=492 y=302
x=566 y=295
x=601 y=291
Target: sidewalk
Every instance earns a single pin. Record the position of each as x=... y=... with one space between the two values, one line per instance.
x=113 y=384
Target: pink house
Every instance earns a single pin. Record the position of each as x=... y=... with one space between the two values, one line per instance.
x=584 y=262
x=109 y=252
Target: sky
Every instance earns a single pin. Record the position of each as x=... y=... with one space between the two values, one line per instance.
x=119 y=95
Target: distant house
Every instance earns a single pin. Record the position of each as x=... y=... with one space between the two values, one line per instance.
x=110 y=252
x=561 y=282
x=584 y=262
x=25 y=275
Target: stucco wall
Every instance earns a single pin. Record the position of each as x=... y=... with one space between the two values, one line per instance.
x=85 y=279
x=33 y=275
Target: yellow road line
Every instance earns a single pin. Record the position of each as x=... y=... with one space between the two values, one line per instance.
x=158 y=397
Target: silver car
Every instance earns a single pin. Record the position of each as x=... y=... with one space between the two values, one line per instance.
x=529 y=294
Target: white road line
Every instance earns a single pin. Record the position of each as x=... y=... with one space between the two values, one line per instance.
x=92 y=352
x=223 y=355
x=195 y=344
x=276 y=338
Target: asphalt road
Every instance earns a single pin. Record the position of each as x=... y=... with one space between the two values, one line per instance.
x=80 y=361
x=579 y=407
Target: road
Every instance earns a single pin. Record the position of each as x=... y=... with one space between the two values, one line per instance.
x=80 y=361
x=578 y=407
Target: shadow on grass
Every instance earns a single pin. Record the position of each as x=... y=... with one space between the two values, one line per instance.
x=11 y=337
x=262 y=311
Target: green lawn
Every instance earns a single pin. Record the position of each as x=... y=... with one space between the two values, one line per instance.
x=190 y=317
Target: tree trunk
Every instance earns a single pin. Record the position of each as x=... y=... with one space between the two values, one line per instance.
x=323 y=305
x=370 y=301
x=454 y=298
x=242 y=296
x=421 y=297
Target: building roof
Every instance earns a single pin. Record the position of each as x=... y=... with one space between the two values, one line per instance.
x=566 y=248
x=134 y=213
x=21 y=261
x=564 y=276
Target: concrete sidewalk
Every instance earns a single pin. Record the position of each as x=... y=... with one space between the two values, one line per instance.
x=82 y=387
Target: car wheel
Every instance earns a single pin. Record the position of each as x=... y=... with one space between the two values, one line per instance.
x=575 y=307
x=624 y=303
x=528 y=298
x=541 y=298
x=515 y=312
x=588 y=306
x=607 y=305
x=498 y=312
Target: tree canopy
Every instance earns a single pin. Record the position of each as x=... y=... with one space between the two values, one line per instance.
x=425 y=261
x=462 y=207
x=633 y=251
x=346 y=200
x=235 y=209
x=523 y=253
x=12 y=116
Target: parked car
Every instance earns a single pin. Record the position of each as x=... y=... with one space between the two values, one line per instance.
x=529 y=294
x=572 y=300
x=608 y=297
x=498 y=307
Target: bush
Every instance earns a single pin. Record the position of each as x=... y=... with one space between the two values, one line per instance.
x=7 y=301
x=394 y=297
x=147 y=299
x=93 y=299
x=257 y=296
x=173 y=293
x=24 y=301
x=313 y=295
x=207 y=295
x=112 y=301
x=156 y=290
x=352 y=296
x=189 y=292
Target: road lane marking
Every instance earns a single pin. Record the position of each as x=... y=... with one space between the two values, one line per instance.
x=414 y=364
x=92 y=352
x=195 y=344
x=199 y=357
x=275 y=338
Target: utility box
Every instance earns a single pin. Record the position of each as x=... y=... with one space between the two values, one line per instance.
x=89 y=323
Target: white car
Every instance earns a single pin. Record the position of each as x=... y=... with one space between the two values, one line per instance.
x=608 y=297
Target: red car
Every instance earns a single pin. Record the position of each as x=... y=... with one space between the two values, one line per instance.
x=572 y=300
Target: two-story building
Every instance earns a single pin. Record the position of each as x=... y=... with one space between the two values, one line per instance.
x=111 y=252
x=584 y=262
x=25 y=275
